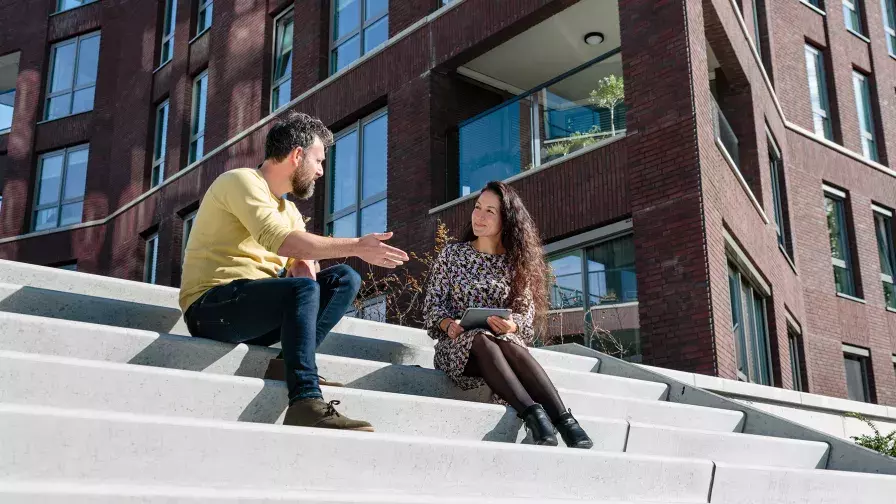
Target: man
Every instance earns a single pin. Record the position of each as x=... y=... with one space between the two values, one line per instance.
x=246 y=236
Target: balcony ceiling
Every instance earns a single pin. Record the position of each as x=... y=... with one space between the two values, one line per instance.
x=555 y=46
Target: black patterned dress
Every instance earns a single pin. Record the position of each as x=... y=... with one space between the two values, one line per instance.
x=462 y=278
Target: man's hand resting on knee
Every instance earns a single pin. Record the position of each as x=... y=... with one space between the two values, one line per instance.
x=303 y=269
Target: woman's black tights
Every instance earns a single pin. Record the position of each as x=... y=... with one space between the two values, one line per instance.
x=513 y=374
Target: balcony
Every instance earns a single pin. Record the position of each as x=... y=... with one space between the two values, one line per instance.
x=9 y=72
x=725 y=136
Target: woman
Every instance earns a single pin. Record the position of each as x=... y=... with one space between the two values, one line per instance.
x=499 y=264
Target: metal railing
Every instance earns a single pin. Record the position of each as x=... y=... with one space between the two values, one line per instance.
x=573 y=111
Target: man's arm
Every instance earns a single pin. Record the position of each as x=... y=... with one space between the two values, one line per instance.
x=370 y=248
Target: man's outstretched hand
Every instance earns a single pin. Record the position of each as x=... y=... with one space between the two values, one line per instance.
x=372 y=250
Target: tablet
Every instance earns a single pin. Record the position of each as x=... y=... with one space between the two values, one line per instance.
x=477 y=318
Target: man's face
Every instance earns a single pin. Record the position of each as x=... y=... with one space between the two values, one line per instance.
x=309 y=168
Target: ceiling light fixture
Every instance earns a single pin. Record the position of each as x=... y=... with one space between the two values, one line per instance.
x=594 y=38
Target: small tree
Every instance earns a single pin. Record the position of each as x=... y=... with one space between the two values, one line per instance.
x=609 y=93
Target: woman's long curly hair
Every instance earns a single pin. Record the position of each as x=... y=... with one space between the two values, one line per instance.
x=524 y=249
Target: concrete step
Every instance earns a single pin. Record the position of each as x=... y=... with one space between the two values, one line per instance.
x=352 y=337
x=73 y=383
x=377 y=376
x=90 y=341
x=47 y=444
x=735 y=484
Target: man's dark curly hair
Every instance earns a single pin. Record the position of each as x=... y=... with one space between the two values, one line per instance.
x=295 y=129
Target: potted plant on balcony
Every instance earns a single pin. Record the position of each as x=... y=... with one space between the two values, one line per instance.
x=609 y=93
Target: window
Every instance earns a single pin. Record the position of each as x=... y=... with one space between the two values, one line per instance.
x=204 y=16
x=357 y=179
x=818 y=92
x=866 y=116
x=64 y=5
x=756 y=33
x=62 y=176
x=9 y=74
x=169 y=18
x=605 y=271
x=835 y=208
x=889 y=10
x=776 y=166
x=152 y=259
x=883 y=225
x=748 y=320
x=852 y=16
x=189 y=220
x=855 y=361
x=359 y=26
x=160 y=147
x=281 y=81
x=72 y=79
x=815 y=3
x=796 y=359
x=3 y=160
x=197 y=128
x=69 y=267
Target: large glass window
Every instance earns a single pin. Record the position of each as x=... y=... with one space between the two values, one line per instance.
x=62 y=178
x=818 y=92
x=748 y=319
x=841 y=255
x=605 y=271
x=776 y=167
x=72 y=78
x=889 y=9
x=152 y=259
x=856 y=363
x=204 y=15
x=281 y=81
x=169 y=19
x=359 y=26
x=197 y=127
x=852 y=15
x=866 y=115
x=160 y=147
x=64 y=5
x=356 y=196
x=883 y=225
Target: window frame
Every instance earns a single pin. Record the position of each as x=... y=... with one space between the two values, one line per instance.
x=362 y=26
x=581 y=251
x=277 y=83
x=59 y=203
x=189 y=221
x=779 y=192
x=167 y=35
x=823 y=108
x=755 y=347
x=795 y=346
x=360 y=203
x=847 y=264
x=160 y=144
x=889 y=245
x=196 y=135
x=60 y=9
x=150 y=269
x=4 y=131
x=204 y=7
x=865 y=115
x=863 y=356
x=856 y=8
x=74 y=87
x=888 y=8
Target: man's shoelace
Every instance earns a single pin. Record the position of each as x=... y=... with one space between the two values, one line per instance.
x=331 y=408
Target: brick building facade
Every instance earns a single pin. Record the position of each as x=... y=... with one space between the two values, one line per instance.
x=751 y=159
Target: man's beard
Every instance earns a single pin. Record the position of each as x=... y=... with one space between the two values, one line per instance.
x=303 y=182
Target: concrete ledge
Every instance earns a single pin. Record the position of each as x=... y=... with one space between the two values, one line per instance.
x=74 y=493
x=145 y=450
x=749 y=485
x=844 y=455
x=74 y=383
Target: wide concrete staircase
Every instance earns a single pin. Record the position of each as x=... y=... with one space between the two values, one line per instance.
x=104 y=398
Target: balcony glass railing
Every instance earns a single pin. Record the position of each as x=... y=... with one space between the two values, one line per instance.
x=7 y=102
x=724 y=133
x=578 y=109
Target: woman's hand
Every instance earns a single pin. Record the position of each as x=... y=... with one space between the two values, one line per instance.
x=452 y=328
x=502 y=326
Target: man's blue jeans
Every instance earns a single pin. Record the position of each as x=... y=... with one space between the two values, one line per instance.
x=298 y=312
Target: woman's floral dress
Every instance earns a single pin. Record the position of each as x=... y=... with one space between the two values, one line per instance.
x=462 y=278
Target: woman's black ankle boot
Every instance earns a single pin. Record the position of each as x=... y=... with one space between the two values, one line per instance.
x=539 y=424
x=572 y=433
